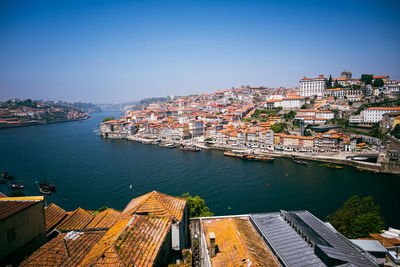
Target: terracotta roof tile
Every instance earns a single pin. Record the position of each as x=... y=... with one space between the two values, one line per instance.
x=157 y=204
x=104 y=219
x=53 y=215
x=62 y=251
x=76 y=220
x=9 y=207
x=386 y=242
x=238 y=243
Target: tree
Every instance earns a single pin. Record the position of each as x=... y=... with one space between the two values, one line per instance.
x=378 y=83
x=278 y=127
x=329 y=82
x=196 y=206
x=290 y=115
x=304 y=106
x=357 y=218
x=108 y=119
x=367 y=78
x=396 y=131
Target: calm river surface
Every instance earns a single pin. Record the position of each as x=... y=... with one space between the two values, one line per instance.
x=91 y=172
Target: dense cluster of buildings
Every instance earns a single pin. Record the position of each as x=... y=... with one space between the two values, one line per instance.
x=153 y=230
x=15 y=113
x=231 y=117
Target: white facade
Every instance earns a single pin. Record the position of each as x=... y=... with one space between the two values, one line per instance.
x=328 y=115
x=372 y=115
x=336 y=92
x=311 y=87
x=293 y=102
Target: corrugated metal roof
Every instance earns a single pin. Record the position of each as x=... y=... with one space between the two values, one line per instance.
x=335 y=246
x=290 y=247
x=301 y=239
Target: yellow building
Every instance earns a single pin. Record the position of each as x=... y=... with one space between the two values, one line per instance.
x=396 y=121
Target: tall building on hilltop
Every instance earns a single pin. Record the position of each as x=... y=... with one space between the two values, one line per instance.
x=312 y=86
x=346 y=74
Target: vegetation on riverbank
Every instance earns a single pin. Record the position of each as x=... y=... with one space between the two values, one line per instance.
x=357 y=218
x=196 y=206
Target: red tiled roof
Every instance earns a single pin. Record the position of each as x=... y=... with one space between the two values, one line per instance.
x=2 y=195
x=9 y=208
x=384 y=108
x=156 y=203
x=53 y=215
x=104 y=219
x=76 y=220
x=130 y=242
x=62 y=251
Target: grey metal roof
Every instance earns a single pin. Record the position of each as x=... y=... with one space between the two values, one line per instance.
x=369 y=245
x=292 y=250
x=301 y=239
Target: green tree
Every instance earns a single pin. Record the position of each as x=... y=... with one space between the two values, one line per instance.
x=108 y=119
x=329 y=82
x=278 y=127
x=196 y=206
x=337 y=85
x=357 y=218
x=290 y=115
x=396 y=131
x=378 y=83
x=367 y=78
x=304 y=106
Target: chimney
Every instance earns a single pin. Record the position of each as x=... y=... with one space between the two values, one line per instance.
x=212 y=244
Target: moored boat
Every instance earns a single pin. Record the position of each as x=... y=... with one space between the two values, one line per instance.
x=17 y=186
x=190 y=148
x=250 y=157
x=265 y=158
x=6 y=175
x=332 y=166
x=44 y=191
x=50 y=187
x=168 y=145
x=233 y=154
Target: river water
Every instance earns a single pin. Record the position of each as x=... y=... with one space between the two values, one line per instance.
x=91 y=172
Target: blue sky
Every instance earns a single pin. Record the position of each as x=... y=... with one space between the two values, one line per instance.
x=118 y=51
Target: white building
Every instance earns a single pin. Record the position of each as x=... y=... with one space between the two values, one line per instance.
x=306 y=112
x=196 y=128
x=335 y=92
x=311 y=87
x=324 y=114
x=293 y=102
x=372 y=115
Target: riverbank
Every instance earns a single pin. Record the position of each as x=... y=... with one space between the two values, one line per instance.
x=335 y=158
x=34 y=123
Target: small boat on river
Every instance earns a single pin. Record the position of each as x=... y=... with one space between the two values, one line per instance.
x=6 y=175
x=265 y=158
x=233 y=154
x=190 y=148
x=44 y=190
x=332 y=166
x=168 y=145
x=250 y=157
x=301 y=162
x=17 y=186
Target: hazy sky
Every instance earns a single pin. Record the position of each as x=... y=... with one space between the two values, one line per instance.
x=115 y=51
